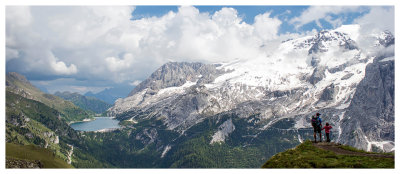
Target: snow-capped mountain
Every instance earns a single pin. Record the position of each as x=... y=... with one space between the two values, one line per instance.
x=323 y=73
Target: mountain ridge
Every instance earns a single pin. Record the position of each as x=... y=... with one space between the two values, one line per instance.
x=110 y=95
x=88 y=103
x=18 y=84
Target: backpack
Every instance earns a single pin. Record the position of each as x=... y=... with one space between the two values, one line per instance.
x=315 y=121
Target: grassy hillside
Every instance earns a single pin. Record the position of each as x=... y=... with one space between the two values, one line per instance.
x=18 y=84
x=85 y=102
x=306 y=155
x=31 y=153
x=31 y=123
x=21 y=111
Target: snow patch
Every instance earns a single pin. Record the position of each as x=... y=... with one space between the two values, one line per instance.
x=301 y=123
x=343 y=106
x=340 y=128
x=386 y=146
x=387 y=59
x=165 y=151
x=132 y=120
x=299 y=137
x=174 y=90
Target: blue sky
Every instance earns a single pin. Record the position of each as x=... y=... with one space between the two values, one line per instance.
x=247 y=13
x=90 y=48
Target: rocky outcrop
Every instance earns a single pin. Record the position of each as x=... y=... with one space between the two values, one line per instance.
x=317 y=75
x=328 y=93
x=21 y=163
x=223 y=131
x=319 y=41
x=12 y=77
x=147 y=136
x=386 y=39
x=70 y=152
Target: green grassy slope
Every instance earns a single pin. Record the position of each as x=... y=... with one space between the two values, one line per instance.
x=18 y=84
x=31 y=122
x=306 y=155
x=18 y=108
x=31 y=152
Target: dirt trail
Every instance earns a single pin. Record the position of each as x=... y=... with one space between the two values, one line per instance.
x=336 y=149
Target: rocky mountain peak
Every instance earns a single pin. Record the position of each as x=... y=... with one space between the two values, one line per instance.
x=175 y=74
x=386 y=38
x=324 y=39
x=12 y=77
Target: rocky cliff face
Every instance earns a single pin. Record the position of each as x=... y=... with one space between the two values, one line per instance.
x=328 y=70
x=370 y=117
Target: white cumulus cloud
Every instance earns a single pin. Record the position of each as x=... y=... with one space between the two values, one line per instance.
x=115 y=64
x=104 y=43
x=266 y=27
x=59 y=67
x=315 y=13
x=378 y=19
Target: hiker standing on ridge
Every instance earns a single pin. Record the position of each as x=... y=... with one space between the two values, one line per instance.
x=316 y=123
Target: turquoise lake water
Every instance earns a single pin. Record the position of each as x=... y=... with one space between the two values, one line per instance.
x=98 y=124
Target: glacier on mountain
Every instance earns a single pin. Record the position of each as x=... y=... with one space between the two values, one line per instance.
x=302 y=76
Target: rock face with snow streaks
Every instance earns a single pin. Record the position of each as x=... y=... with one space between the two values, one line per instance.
x=370 y=116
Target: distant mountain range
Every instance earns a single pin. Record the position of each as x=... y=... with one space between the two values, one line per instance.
x=110 y=95
x=85 y=102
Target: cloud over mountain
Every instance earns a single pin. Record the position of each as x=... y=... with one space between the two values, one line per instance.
x=102 y=43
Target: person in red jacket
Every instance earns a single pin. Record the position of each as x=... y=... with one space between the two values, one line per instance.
x=327 y=128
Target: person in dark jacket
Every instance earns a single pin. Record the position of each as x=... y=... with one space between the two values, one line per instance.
x=316 y=123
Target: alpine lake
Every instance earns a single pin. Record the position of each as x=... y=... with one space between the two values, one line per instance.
x=99 y=124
